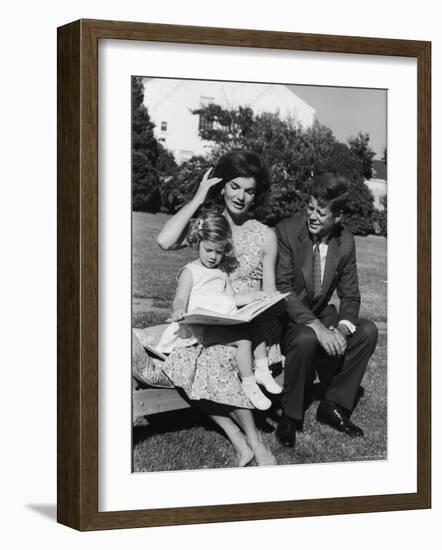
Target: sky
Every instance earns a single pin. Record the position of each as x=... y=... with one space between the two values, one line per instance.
x=347 y=111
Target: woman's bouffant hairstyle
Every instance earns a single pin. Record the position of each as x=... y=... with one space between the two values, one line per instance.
x=240 y=163
x=215 y=228
x=330 y=190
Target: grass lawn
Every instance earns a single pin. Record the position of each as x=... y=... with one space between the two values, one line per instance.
x=188 y=440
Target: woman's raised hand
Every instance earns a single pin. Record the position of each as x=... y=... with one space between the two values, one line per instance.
x=206 y=184
x=173 y=233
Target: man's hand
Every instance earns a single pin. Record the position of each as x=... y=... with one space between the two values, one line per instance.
x=331 y=340
x=342 y=332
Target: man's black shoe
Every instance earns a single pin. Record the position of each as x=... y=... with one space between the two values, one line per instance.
x=333 y=415
x=286 y=431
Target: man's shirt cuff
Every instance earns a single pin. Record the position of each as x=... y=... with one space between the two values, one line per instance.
x=351 y=327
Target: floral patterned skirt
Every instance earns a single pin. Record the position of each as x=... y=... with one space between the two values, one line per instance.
x=207 y=373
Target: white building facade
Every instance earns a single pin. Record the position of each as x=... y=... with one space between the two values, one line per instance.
x=378 y=183
x=170 y=104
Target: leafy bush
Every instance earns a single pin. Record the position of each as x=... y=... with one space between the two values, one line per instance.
x=362 y=151
x=150 y=160
x=293 y=155
x=177 y=191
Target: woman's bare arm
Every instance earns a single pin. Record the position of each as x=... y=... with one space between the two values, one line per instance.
x=269 y=262
x=173 y=234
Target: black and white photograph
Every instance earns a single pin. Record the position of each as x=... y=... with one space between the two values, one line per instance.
x=259 y=274
x=148 y=142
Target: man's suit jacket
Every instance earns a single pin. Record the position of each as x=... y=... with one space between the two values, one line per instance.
x=294 y=272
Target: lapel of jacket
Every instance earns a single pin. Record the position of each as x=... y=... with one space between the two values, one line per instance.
x=331 y=262
x=306 y=253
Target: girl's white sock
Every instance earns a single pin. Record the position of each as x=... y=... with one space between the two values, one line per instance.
x=262 y=363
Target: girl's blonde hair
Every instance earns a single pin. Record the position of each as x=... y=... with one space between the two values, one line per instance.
x=215 y=228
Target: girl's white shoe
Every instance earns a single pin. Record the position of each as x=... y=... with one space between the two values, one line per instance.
x=264 y=377
x=255 y=395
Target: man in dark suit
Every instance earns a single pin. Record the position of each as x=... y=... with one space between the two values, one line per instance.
x=316 y=257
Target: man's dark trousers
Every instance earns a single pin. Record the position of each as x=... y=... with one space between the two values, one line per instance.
x=341 y=376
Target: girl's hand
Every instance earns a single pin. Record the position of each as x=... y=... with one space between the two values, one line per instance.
x=245 y=298
x=205 y=185
x=272 y=293
x=258 y=295
x=177 y=315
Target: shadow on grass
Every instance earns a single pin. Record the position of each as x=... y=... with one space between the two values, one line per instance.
x=170 y=422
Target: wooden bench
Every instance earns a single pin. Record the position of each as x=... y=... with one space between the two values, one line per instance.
x=151 y=400
x=159 y=396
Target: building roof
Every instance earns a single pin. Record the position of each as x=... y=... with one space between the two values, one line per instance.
x=260 y=97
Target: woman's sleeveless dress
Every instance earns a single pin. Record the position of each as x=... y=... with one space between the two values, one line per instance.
x=211 y=373
x=249 y=241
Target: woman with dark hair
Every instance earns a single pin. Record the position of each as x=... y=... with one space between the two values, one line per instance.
x=242 y=164
x=240 y=180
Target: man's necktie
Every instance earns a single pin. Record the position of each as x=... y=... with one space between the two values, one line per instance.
x=317 y=285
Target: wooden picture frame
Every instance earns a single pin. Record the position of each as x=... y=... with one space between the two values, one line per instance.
x=77 y=387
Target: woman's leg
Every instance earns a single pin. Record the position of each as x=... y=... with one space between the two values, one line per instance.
x=220 y=416
x=237 y=337
x=243 y=418
x=263 y=455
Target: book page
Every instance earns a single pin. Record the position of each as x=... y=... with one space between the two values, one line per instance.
x=243 y=315
x=250 y=311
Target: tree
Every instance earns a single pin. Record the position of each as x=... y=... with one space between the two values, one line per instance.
x=363 y=153
x=281 y=144
x=294 y=155
x=226 y=127
x=150 y=160
x=177 y=191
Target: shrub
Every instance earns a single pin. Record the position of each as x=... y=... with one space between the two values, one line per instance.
x=293 y=155
x=150 y=160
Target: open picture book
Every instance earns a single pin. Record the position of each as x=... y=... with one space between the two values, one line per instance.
x=245 y=314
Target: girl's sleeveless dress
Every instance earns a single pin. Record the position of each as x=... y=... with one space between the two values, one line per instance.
x=211 y=373
x=208 y=292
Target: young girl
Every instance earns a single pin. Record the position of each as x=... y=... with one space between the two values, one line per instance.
x=205 y=283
